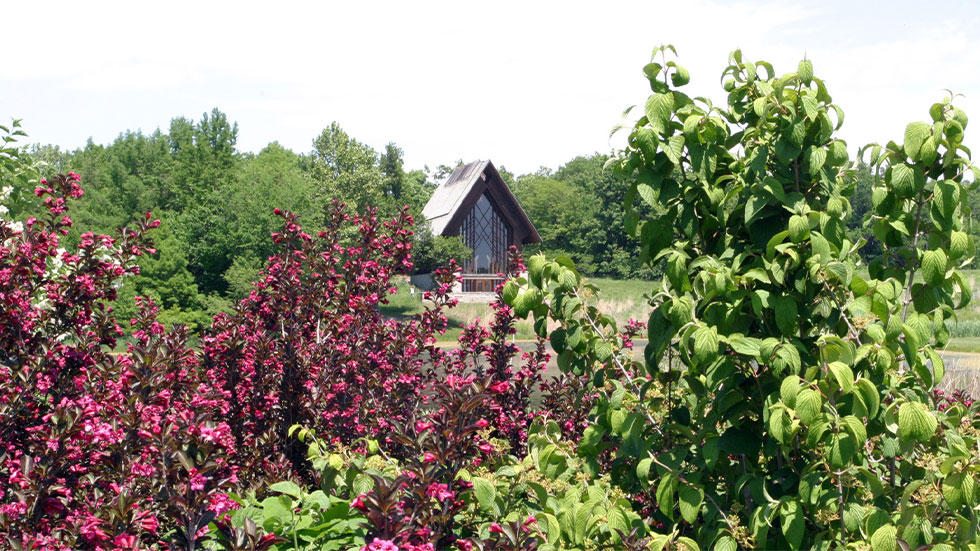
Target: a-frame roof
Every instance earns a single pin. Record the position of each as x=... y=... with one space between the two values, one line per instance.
x=452 y=200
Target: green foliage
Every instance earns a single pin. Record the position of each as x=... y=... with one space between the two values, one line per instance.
x=433 y=251
x=17 y=172
x=800 y=412
x=578 y=210
x=165 y=277
x=241 y=275
x=304 y=520
x=235 y=219
x=551 y=484
x=346 y=169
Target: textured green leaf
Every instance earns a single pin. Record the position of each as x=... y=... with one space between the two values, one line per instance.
x=853 y=515
x=929 y=151
x=799 y=228
x=583 y=512
x=818 y=156
x=934 y=265
x=902 y=180
x=277 y=507
x=675 y=148
x=938 y=367
x=884 y=539
x=691 y=124
x=843 y=375
x=287 y=487
x=792 y=523
x=677 y=272
x=959 y=489
x=510 y=292
x=648 y=194
x=747 y=346
x=789 y=389
x=779 y=425
x=567 y=279
x=805 y=71
x=916 y=134
x=959 y=244
x=915 y=422
x=665 y=495
x=658 y=110
x=485 y=493
x=680 y=77
x=690 y=500
x=726 y=543
x=648 y=143
x=841 y=450
x=705 y=345
x=809 y=404
x=643 y=471
x=856 y=428
x=810 y=107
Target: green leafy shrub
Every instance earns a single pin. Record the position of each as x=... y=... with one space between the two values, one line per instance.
x=802 y=414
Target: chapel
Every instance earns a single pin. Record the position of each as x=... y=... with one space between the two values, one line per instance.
x=476 y=204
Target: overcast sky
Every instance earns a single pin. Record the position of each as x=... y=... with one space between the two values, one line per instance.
x=526 y=84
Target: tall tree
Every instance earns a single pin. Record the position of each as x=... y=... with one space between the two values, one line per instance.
x=204 y=156
x=345 y=169
x=613 y=251
x=564 y=216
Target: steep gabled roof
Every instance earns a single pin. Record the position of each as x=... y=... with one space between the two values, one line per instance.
x=451 y=201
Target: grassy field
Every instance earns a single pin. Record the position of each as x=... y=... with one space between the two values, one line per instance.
x=622 y=299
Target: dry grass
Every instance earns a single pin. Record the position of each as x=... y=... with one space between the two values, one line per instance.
x=620 y=299
x=962 y=371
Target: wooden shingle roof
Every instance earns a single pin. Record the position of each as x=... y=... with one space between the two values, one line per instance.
x=453 y=199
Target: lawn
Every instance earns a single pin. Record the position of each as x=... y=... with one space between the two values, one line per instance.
x=622 y=299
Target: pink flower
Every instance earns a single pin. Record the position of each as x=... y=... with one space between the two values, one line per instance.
x=222 y=503
x=429 y=457
x=495 y=528
x=124 y=541
x=380 y=545
x=197 y=480
x=439 y=492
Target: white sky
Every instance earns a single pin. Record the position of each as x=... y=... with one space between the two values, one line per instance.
x=526 y=84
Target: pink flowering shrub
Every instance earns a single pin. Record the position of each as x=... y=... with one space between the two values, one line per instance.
x=140 y=449
x=97 y=451
x=418 y=510
x=310 y=347
x=488 y=353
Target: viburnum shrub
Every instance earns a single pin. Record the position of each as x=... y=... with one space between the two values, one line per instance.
x=97 y=451
x=803 y=414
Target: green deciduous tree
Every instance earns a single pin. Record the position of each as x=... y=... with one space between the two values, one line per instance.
x=345 y=169
x=565 y=216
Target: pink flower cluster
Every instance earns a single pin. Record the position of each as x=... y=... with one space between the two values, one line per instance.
x=94 y=446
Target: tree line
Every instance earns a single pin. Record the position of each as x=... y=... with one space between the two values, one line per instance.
x=216 y=204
